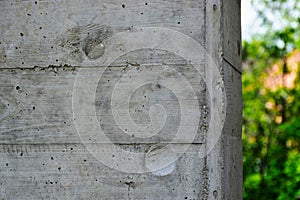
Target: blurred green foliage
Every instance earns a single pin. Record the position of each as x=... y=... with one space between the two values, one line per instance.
x=271 y=96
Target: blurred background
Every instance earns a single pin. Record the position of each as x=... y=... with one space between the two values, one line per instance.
x=271 y=98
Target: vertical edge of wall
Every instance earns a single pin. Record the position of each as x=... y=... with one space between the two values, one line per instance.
x=215 y=159
x=232 y=132
x=231 y=29
x=223 y=42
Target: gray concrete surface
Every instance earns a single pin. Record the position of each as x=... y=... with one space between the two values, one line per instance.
x=133 y=99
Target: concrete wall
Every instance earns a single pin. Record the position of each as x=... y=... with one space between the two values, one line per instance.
x=136 y=99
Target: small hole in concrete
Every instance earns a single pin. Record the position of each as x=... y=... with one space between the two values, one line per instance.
x=21 y=34
x=17 y=87
x=123 y=5
x=215 y=193
x=214 y=7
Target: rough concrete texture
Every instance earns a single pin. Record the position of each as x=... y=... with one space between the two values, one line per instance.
x=134 y=99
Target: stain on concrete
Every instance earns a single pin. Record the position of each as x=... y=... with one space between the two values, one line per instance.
x=84 y=41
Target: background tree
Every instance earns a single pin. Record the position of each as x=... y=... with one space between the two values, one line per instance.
x=271 y=95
